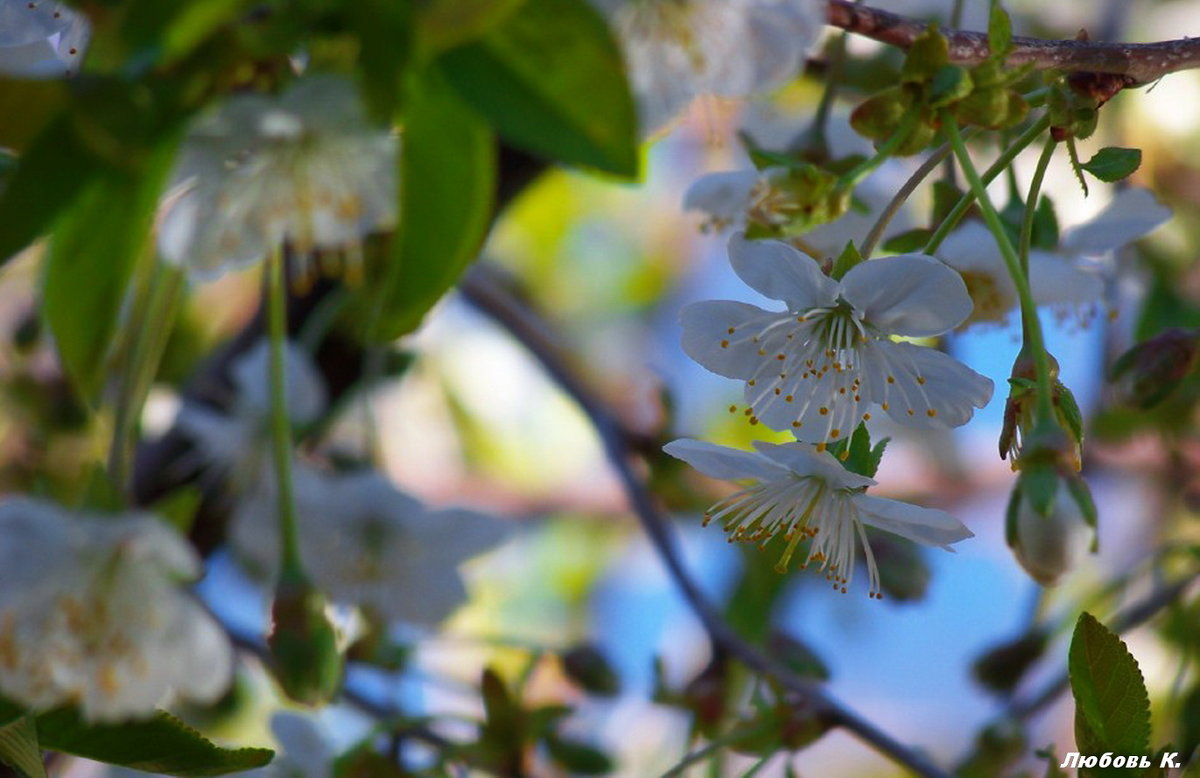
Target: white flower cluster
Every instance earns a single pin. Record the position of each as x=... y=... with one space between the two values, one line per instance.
x=92 y=614
x=677 y=50
x=363 y=541
x=305 y=168
x=819 y=368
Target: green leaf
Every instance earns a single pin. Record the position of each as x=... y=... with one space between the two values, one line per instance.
x=444 y=24
x=384 y=29
x=19 y=748
x=1112 y=709
x=551 y=80
x=170 y=31
x=908 y=242
x=846 y=260
x=579 y=758
x=1112 y=164
x=49 y=177
x=159 y=744
x=26 y=106
x=92 y=255
x=447 y=178
x=928 y=53
x=949 y=85
x=999 y=31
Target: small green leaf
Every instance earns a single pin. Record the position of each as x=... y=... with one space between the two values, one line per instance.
x=928 y=53
x=159 y=744
x=578 y=758
x=19 y=748
x=999 y=31
x=949 y=85
x=846 y=260
x=1112 y=164
x=908 y=242
x=48 y=178
x=92 y=255
x=447 y=178
x=384 y=29
x=552 y=81
x=444 y=24
x=1112 y=709
x=179 y=507
x=1068 y=410
x=1045 y=226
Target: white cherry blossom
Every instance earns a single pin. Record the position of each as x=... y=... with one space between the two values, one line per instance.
x=39 y=38
x=677 y=50
x=800 y=493
x=817 y=366
x=236 y=443
x=1066 y=280
x=306 y=168
x=92 y=614
x=364 y=542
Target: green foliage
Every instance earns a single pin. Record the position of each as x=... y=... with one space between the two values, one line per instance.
x=857 y=454
x=1111 y=164
x=19 y=747
x=447 y=180
x=1112 y=709
x=846 y=260
x=577 y=757
x=384 y=29
x=160 y=743
x=550 y=79
x=95 y=248
x=168 y=32
x=588 y=667
x=26 y=106
x=999 y=31
x=445 y=24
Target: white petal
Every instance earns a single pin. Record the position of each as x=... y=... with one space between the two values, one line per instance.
x=457 y=534
x=805 y=461
x=781 y=34
x=912 y=295
x=727 y=464
x=921 y=525
x=1056 y=280
x=927 y=388
x=971 y=248
x=303 y=382
x=24 y=22
x=708 y=340
x=780 y=272
x=723 y=196
x=1134 y=212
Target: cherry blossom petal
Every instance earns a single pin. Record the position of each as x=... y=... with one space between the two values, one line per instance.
x=806 y=462
x=723 y=196
x=912 y=295
x=780 y=272
x=718 y=335
x=922 y=387
x=1133 y=213
x=727 y=464
x=1055 y=279
x=928 y=526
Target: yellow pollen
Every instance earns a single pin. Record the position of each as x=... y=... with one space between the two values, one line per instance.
x=911 y=412
x=866 y=417
x=821 y=447
x=751 y=382
x=891 y=379
x=733 y=409
x=835 y=433
x=724 y=344
x=730 y=330
x=884 y=406
x=753 y=420
x=749 y=411
x=797 y=424
x=931 y=412
x=778 y=391
x=762 y=352
x=823 y=410
x=788 y=399
x=921 y=380
x=780 y=357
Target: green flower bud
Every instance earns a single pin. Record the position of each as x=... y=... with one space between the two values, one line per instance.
x=303 y=643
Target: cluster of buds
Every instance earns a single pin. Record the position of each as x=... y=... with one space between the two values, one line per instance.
x=1051 y=507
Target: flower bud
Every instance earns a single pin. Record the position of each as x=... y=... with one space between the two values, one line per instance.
x=1153 y=368
x=303 y=643
x=1048 y=538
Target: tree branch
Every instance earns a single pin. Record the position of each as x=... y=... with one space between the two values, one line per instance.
x=479 y=288
x=1140 y=63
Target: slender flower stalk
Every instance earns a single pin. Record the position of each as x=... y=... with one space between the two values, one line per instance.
x=281 y=433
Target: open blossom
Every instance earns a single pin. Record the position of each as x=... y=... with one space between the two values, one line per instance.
x=91 y=613
x=235 y=443
x=364 y=542
x=305 y=168
x=816 y=367
x=679 y=49
x=1064 y=280
x=39 y=38
x=800 y=493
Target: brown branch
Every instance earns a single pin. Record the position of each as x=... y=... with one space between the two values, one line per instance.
x=534 y=334
x=1140 y=63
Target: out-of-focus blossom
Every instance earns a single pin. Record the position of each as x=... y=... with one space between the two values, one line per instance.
x=800 y=493
x=305 y=168
x=817 y=366
x=1049 y=546
x=236 y=443
x=364 y=542
x=677 y=50
x=92 y=614
x=39 y=38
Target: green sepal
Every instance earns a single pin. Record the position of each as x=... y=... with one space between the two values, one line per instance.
x=303 y=643
x=1039 y=483
x=846 y=260
x=929 y=52
x=19 y=747
x=1011 y=535
x=1068 y=411
x=1082 y=495
x=949 y=85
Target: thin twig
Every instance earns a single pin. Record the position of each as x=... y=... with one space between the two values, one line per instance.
x=1140 y=63
x=531 y=332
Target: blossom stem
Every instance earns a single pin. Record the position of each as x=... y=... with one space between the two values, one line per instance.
x=883 y=154
x=1032 y=325
x=714 y=746
x=897 y=202
x=281 y=432
x=999 y=166
x=1035 y=190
